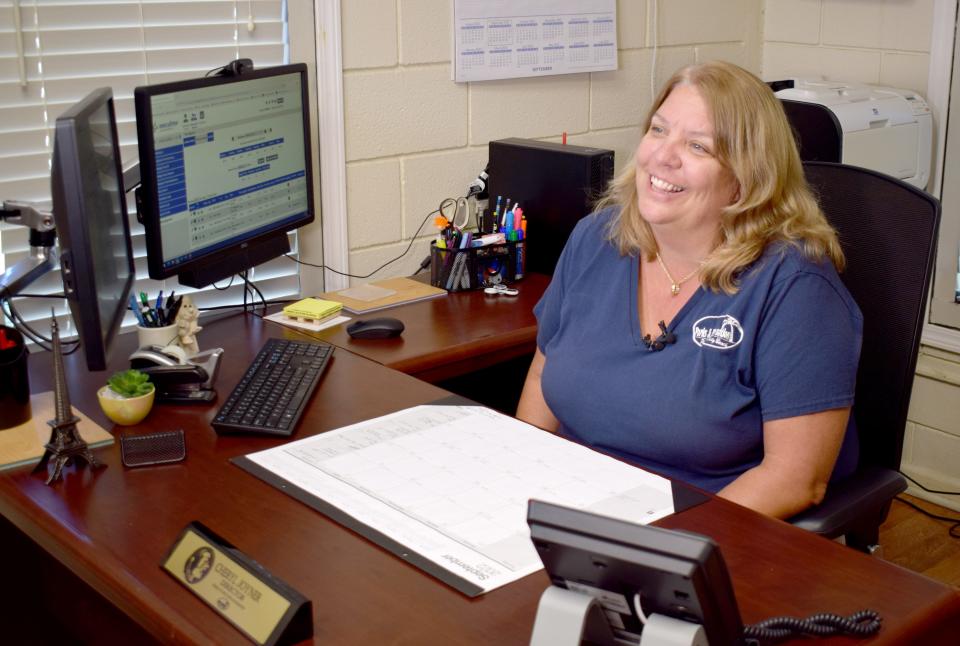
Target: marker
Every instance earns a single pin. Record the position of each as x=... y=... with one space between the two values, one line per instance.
x=143 y=299
x=159 y=308
x=176 y=308
x=518 y=273
x=136 y=311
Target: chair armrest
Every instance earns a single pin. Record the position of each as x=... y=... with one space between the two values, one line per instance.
x=859 y=496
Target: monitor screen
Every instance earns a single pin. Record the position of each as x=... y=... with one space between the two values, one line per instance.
x=225 y=171
x=90 y=212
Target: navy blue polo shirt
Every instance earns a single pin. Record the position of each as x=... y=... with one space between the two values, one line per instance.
x=786 y=344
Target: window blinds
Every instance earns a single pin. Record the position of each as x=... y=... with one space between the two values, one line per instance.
x=54 y=52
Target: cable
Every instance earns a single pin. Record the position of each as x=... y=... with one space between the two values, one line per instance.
x=24 y=328
x=954 y=530
x=246 y=289
x=860 y=624
x=225 y=288
x=405 y=251
x=945 y=493
x=424 y=264
x=638 y=609
x=249 y=285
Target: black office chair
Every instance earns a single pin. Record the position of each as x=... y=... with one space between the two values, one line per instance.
x=888 y=231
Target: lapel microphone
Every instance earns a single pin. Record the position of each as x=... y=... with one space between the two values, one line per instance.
x=666 y=338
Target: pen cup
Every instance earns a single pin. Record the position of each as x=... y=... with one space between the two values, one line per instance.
x=14 y=379
x=477 y=267
x=162 y=336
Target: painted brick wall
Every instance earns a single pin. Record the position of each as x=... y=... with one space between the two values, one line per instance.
x=885 y=42
x=414 y=137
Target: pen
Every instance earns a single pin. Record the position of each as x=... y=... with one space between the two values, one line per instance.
x=136 y=311
x=148 y=316
x=143 y=299
x=176 y=308
x=158 y=309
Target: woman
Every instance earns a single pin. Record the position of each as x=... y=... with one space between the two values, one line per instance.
x=695 y=324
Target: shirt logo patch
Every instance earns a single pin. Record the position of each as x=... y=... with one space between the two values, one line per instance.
x=718 y=332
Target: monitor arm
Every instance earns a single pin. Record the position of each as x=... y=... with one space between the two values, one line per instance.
x=43 y=254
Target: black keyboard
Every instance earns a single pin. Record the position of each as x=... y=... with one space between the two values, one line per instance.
x=275 y=389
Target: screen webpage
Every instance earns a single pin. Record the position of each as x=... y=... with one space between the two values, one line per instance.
x=230 y=163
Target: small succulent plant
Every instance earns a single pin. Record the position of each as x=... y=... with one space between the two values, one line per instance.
x=130 y=383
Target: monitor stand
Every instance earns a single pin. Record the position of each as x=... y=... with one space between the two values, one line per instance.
x=566 y=618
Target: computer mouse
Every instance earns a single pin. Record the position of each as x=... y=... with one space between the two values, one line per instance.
x=379 y=328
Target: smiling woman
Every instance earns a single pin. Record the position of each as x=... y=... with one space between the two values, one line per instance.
x=712 y=240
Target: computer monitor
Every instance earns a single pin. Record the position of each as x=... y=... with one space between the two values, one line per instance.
x=225 y=171
x=90 y=213
x=676 y=574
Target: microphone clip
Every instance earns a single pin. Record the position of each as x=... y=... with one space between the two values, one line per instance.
x=666 y=338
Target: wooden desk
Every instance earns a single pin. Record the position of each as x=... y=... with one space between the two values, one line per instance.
x=112 y=527
x=453 y=335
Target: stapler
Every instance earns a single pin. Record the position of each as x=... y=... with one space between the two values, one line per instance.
x=177 y=379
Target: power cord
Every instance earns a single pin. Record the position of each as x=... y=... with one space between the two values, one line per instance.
x=943 y=493
x=424 y=264
x=67 y=347
x=250 y=287
x=438 y=210
x=954 y=531
x=860 y=624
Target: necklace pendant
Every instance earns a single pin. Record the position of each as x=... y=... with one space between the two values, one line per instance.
x=674 y=289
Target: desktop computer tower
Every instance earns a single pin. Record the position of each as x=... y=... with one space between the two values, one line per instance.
x=555 y=185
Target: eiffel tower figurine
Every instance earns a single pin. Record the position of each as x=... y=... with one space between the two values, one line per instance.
x=65 y=443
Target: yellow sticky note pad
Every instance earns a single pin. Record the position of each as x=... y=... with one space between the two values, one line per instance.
x=312 y=308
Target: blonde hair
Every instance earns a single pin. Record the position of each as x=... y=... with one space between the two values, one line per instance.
x=754 y=141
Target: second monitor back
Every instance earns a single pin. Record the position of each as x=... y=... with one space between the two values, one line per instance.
x=555 y=185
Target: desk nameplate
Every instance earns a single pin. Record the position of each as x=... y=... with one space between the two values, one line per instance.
x=238 y=588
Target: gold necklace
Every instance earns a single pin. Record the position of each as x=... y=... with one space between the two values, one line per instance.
x=675 y=284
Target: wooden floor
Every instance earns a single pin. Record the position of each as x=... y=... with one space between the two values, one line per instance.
x=922 y=544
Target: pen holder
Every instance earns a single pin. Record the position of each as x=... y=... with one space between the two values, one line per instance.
x=477 y=267
x=162 y=336
x=14 y=380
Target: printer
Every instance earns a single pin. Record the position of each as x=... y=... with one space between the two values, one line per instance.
x=881 y=128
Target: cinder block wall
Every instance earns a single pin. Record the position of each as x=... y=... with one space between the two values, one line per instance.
x=886 y=42
x=413 y=136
